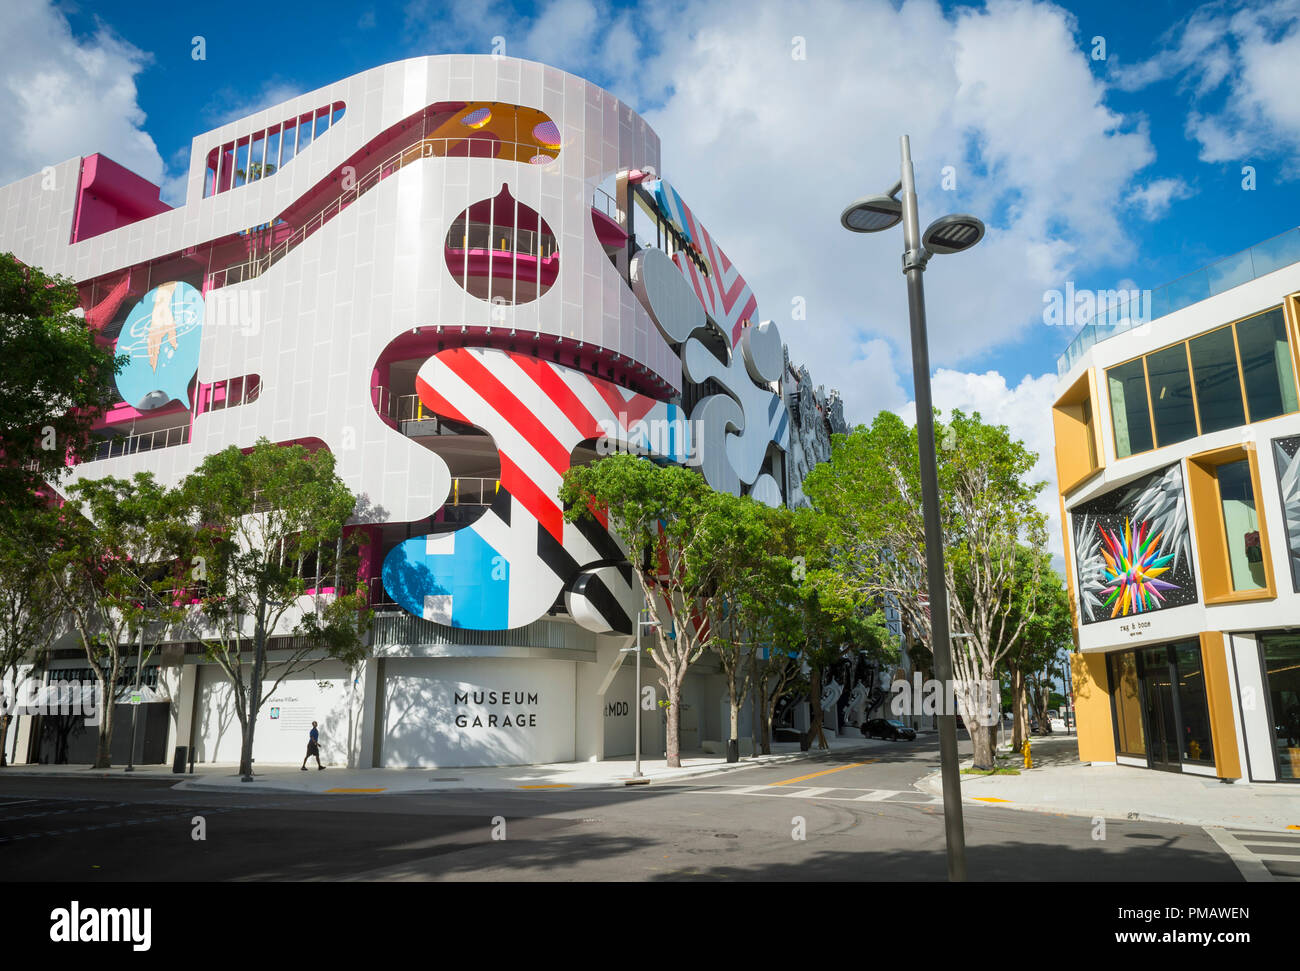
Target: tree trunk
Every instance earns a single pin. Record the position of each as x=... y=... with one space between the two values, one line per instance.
x=103 y=750
x=975 y=716
x=673 y=733
x=254 y=703
x=765 y=725
x=816 y=716
x=5 y=719
x=733 y=740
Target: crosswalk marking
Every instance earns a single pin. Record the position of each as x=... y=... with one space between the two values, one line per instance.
x=899 y=796
x=1240 y=846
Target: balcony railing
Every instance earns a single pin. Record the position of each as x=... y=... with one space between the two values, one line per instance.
x=258 y=263
x=602 y=201
x=1231 y=271
x=141 y=442
x=482 y=236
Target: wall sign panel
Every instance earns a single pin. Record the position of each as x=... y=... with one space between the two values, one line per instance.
x=1286 y=457
x=1133 y=549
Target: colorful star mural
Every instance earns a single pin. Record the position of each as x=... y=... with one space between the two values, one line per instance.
x=1133 y=549
x=1132 y=565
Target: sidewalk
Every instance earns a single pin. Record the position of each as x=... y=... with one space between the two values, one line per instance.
x=612 y=773
x=1060 y=784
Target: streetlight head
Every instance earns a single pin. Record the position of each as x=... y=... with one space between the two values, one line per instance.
x=952 y=234
x=872 y=214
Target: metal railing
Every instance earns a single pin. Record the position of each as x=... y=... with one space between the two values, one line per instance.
x=141 y=442
x=472 y=491
x=258 y=263
x=482 y=236
x=409 y=407
x=1231 y=271
x=236 y=391
x=602 y=201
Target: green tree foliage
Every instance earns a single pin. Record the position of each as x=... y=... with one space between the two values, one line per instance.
x=1048 y=628
x=270 y=525
x=113 y=573
x=30 y=616
x=667 y=517
x=56 y=381
x=871 y=497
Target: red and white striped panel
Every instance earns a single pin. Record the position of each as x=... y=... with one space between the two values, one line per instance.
x=536 y=413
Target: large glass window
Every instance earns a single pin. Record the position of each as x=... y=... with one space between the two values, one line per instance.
x=1128 y=408
x=1126 y=701
x=1282 y=674
x=1171 y=395
x=1241 y=526
x=1266 y=365
x=1218 y=384
x=1255 y=349
x=1197 y=742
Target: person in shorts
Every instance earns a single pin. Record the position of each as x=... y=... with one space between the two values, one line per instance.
x=313 y=748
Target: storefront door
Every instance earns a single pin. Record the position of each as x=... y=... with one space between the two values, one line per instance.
x=1161 y=710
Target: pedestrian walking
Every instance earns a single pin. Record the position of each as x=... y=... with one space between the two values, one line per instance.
x=313 y=748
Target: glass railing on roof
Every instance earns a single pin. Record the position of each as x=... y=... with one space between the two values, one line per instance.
x=1231 y=271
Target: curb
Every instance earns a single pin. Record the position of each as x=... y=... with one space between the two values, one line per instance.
x=687 y=773
x=933 y=785
x=23 y=773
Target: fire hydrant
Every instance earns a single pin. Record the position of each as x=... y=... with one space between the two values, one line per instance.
x=1029 y=759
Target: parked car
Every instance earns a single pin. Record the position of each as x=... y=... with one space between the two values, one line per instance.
x=888 y=728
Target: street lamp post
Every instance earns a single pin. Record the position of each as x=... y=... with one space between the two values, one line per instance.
x=636 y=695
x=949 y=234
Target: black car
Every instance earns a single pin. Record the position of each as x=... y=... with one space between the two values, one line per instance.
x=888 y=728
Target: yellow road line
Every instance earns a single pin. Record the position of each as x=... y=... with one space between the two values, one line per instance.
x=354 y=790
x=814 y=775
x=989 y=799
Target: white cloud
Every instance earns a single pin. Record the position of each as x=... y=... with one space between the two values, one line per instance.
x=1244 y=55
x=1026 y=410
x=66 y=96
x=1154 y=198
x=768 y=149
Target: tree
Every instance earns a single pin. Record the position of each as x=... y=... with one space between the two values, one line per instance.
x=659 y=514
x=1047 y=628
x=870 y=492
x=743 y=535
x=29 y=611
x=111 y=573
x=56 y=381
x=270 y=526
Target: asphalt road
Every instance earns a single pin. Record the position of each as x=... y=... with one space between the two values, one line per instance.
x=852 y=816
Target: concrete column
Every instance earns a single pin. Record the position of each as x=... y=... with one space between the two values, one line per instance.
x=182 y=683
x=589 y=699
x=370 y=674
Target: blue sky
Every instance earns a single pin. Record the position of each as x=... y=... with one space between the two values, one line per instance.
x=1125 y=170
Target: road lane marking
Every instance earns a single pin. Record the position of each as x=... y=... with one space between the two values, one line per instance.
x=878 y=796
x=814 y=775
x=989 y=799
x=556 y=786
x=353 y=790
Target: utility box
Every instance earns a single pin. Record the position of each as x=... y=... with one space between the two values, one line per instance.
x=182 y=756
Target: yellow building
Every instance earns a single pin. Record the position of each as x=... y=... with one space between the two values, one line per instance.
x=1177 y=428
